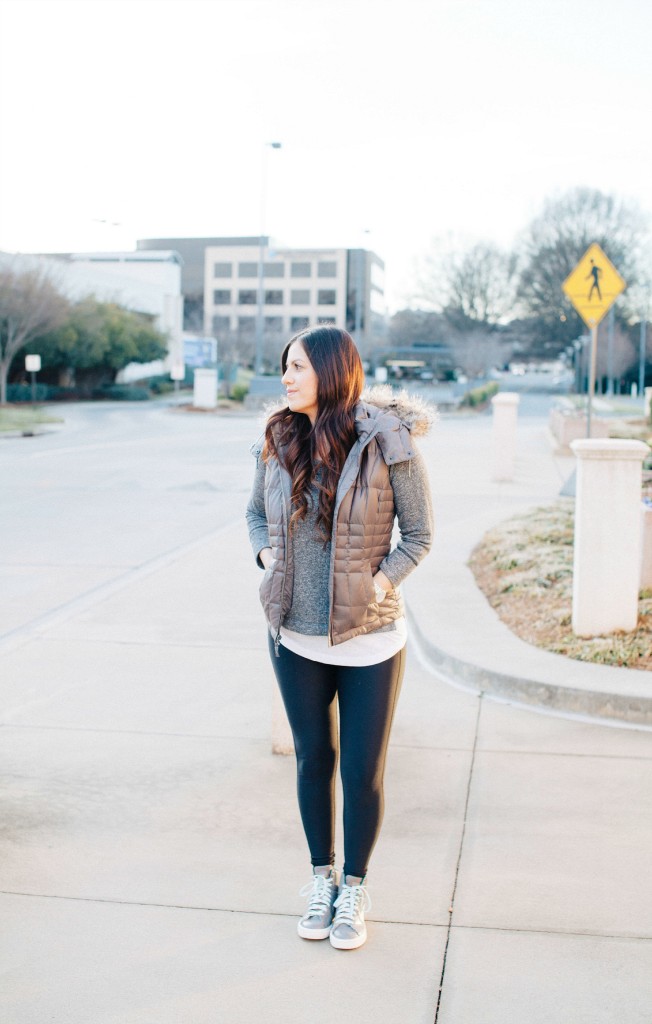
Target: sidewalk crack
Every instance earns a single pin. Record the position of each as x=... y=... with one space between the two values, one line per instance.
x=459 y=857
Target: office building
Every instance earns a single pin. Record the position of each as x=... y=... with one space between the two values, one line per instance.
x=300 y=287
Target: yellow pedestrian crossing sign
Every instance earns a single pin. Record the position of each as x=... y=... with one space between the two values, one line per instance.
x=594 y=285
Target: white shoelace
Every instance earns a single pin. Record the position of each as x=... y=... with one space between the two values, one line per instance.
x=319 y=891
x=347 y=904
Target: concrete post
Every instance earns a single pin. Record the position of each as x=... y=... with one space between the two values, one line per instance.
x=607 y=567
x=205 y=390
x=282 y=742
x=646 y=546
x=505 y=412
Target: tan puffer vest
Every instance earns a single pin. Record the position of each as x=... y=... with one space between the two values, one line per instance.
x=363 y=521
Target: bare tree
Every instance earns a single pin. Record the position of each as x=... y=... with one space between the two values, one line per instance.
x=471 y=287
x=30 y=306
x=482 y=286
x=480 y=350
x=408 y=326
x=623 y=352
x=553 y=243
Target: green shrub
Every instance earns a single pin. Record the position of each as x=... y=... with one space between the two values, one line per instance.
x=239 y=392
x=23 y=392
x=122 y=393
x=161 y=385
x=481 y=395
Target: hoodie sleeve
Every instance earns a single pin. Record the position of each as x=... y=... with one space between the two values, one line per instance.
x=413 y=505
x=255 y=513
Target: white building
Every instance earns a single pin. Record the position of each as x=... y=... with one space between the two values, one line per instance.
x=143 y=282
x=301 y=287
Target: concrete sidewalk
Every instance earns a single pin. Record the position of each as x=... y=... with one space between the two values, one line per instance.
x=152 y=850
x=458 y=631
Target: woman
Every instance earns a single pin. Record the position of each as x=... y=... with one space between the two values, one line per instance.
x=332 y=473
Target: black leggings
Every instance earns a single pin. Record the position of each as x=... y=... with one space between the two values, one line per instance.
x=367 y=698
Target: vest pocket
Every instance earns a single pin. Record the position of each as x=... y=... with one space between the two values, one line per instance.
x=368 y=583
x=265 y=587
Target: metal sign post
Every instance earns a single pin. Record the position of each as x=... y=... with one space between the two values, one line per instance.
x=592 y=287
x=33 y=365
x=592 y=368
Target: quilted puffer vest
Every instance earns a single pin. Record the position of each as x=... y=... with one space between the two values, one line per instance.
x=363 y=521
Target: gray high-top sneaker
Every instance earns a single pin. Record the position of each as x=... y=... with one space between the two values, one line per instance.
x=321 y=893
x=349 y=929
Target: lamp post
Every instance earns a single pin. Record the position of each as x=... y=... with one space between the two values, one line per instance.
x=258 y=362
x=642 y=344
x=360 y=289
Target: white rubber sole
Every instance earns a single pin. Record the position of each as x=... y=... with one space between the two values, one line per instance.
x=349 y=943
x=313 y=933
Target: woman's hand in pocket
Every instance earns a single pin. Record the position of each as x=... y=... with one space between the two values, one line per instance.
x=381 y=582
x=266 y=556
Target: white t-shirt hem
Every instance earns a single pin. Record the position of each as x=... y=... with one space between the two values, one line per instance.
x=368 y=649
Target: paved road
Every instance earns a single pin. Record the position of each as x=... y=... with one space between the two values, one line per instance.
x=150 y=849
x=119 y=486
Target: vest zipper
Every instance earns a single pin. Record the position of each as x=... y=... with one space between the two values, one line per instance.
x=277 y=638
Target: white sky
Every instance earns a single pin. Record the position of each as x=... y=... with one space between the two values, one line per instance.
x=406 y=119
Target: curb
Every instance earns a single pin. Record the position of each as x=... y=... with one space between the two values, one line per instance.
x=7 y=435
x=601 y=706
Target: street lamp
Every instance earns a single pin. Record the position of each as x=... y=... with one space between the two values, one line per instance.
x=258 y=362
x=360 y=290
x=642 y=345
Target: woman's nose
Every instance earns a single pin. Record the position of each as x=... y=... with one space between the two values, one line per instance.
x=286 y=377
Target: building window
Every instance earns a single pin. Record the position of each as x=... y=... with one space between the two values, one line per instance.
x=301 y=269
x=247 y=270
x=326 y=297
x=300 y=297
x=274 y=298
x=274 y=269
x=325 y=319
x=274 y=324
x=221 y=297
x=247 y=297
x=246 y=326
x=222 y=270
x=297 y=323
x=221 y=324
x=326 y=268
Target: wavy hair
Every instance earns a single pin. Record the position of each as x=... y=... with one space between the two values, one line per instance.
x=316 y=453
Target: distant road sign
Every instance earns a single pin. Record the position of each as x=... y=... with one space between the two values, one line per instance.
x=594 y=285
x=199 y=352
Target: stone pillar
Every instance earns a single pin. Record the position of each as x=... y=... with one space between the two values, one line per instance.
x=282 y=742
x=646 y=546
x=505 y=413
x=205 y=390
x=607 y=556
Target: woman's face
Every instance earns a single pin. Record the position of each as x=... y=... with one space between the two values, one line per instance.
x=300 y=382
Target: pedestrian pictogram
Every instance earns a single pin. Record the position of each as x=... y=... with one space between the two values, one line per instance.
x=594 y=285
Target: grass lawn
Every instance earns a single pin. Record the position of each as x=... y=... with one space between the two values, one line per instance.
x=24 y=417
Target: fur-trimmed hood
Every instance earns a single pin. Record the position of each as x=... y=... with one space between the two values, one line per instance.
x=414 y=412
x=391 y=417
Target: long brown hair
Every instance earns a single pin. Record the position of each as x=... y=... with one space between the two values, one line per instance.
x=316 y=454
